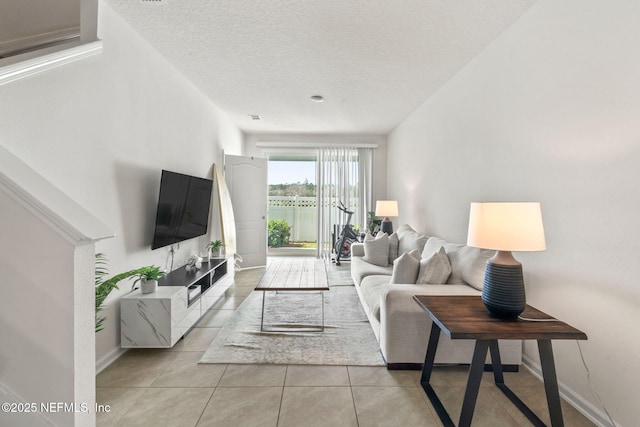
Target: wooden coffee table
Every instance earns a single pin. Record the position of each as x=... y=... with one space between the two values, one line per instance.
x=287 y=276
x=465 y=317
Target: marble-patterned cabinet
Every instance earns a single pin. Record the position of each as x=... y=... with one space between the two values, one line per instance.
x=160 y=319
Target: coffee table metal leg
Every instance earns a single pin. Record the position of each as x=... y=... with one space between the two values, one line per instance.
x=550 y=382
x=473 y=382
x=322 y=308
x=318 y=328
x=262 y=315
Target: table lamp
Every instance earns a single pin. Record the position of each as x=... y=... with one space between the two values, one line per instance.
x=386 y=208
x=505 y=227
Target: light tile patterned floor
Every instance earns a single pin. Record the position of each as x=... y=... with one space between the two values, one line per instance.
x=151 y=387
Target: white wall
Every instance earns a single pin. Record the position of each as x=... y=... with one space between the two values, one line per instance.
x=549 y=112
x=102 y=129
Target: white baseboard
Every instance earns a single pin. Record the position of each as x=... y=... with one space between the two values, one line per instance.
x=108 y=359
x=594 y=414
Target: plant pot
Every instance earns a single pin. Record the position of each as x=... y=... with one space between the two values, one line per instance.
x=148 y=286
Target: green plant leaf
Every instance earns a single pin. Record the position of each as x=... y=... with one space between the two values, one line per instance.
x=103 y=287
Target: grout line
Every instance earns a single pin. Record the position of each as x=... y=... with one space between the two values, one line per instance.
x=353 y=400
x=355 y=409
x=205 y=406
x=282 y=396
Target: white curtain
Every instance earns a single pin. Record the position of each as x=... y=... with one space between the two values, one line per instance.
x=365 y=184
x=344 y=175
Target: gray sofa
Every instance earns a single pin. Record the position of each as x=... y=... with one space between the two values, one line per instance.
x=400 y=326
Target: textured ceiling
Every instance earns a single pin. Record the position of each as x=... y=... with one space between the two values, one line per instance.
x=373 y=61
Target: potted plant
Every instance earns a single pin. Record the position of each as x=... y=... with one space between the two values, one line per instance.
x=104 y=286
x=215 y=247
x=148 y=278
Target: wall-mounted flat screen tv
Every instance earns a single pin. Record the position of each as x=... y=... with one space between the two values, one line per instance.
x=183 y=208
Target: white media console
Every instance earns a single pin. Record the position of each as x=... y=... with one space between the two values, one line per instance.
x=160 y=319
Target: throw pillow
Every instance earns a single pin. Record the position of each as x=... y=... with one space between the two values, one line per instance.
x=393 y=247
x=409 y=240
x=414 y=253
x=434 y=270
x=405 y=269
x=368 y=236
x=376 y=251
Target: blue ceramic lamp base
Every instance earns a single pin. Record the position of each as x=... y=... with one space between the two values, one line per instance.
x=503 y=291
x=386 y=226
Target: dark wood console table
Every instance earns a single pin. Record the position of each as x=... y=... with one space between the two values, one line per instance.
x=465 y=317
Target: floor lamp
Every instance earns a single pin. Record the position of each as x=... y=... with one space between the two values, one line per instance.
x=505 y=227
x=386 y=208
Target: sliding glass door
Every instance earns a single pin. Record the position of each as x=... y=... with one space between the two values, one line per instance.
x=292 y=208
x=344 y=177
x=306 y=187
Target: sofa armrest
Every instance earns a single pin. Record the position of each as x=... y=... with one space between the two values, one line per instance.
x=357 y=249
x=404 y=327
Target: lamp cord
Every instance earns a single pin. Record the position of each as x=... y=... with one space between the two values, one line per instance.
x=586 y=368
x=527 y=319
x=592 y=388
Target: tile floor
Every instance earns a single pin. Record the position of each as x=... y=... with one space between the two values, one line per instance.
x=151 y=387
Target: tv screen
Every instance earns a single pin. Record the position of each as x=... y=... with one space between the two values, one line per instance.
x=183 y=208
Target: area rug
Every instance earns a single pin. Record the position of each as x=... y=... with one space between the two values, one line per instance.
x=347 y=338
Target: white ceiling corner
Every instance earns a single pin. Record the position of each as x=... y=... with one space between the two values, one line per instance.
x=373 y=61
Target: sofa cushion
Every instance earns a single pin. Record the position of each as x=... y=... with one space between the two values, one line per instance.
x=409 y=239
x=370 y=289
x=376 y=251
x=469 y=265
x=403 y=229
x=434 y=270
x=361 y=269
x=405 y=269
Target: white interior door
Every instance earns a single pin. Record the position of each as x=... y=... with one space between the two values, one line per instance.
x=246 y=178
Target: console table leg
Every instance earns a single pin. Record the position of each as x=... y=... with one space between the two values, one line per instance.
x=473 y=383
x=550 y=382
x=496 y=362
x=432 y=346
x=427 y=368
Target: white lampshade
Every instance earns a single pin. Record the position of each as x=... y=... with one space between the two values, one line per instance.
x=506 y=226
x=386 y=208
